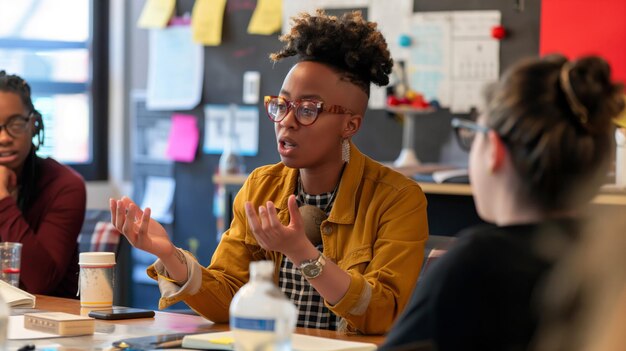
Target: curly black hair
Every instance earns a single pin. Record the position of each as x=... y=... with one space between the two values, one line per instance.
x=350 y=44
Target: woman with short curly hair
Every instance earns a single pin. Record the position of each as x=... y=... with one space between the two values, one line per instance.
x=345 y=233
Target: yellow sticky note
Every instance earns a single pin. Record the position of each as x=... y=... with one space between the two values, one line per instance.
x=206 y=21
x=267 y=17
x=223 y=341
x=156 y=13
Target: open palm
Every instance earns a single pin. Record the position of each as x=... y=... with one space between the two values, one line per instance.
x=141 y=231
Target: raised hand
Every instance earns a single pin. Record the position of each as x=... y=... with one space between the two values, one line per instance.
x=8 y=182
x=141 y=231
x=272 y=235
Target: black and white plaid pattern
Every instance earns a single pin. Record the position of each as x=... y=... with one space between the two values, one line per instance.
x=312 y=313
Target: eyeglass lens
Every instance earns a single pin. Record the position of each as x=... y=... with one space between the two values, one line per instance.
x=465 y=137
x=306 y=111
x=15 y=126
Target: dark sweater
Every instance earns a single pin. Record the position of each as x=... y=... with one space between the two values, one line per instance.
x=483 y=293
x=48 y=230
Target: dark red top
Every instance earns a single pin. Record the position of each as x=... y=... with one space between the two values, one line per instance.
x=48 y=230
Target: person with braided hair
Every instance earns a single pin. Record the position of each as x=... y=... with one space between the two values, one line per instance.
x=539 y=154
x=42 y=203
x=345 y=233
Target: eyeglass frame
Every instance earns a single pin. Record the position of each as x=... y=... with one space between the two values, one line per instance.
x=461 y=123
x=295 y=104
x=26 y=119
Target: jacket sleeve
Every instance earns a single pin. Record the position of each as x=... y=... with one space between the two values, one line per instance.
x=227 y=272
x=47 y=252
x=383 y=274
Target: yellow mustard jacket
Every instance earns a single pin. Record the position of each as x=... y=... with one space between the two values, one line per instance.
x=376 y=231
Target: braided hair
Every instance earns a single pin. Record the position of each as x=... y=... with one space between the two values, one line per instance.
x=30 y=173
x=350 y=44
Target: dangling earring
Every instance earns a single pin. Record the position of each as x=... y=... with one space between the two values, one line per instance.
x=345 y=151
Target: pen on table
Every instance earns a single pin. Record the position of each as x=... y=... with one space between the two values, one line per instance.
x=169 y=344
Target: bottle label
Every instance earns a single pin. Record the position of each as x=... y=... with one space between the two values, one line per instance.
x=253 y=324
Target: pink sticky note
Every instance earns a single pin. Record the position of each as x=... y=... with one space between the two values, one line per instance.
x=183 y=141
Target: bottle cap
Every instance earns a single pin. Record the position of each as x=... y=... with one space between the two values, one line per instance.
x=96 y=258
x=262 y=268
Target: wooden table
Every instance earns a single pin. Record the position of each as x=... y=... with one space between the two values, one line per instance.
x=163 y=323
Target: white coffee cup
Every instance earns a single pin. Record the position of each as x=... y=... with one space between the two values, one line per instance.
x=96 y=279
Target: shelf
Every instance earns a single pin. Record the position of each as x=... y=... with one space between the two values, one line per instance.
x=609 y=194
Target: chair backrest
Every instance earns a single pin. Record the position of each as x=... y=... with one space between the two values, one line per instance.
x=98 y=233
x=436 y=246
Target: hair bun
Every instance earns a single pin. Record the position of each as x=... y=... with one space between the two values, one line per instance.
x=591 y=81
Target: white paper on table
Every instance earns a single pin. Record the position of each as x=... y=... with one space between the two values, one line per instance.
x=217 y=129
x=175 y=69
x=158 y=195
x=393 y=21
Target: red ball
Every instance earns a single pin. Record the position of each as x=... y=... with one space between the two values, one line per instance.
x=498 y=32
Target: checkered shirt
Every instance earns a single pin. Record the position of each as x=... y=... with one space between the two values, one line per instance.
x=312 y=313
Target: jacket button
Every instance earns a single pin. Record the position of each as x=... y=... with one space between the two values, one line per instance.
x=328 y=229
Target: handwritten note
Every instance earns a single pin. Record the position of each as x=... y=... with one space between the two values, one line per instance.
x=206 y=20
x=266 y=18
x=156 y=13
x=183 y=139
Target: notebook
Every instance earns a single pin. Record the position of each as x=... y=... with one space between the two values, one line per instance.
x=299 y=342
x=16 y=297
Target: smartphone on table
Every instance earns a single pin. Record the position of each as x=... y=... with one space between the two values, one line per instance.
x=121 y=313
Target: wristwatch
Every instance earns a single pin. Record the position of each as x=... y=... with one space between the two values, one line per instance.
x=311 y=269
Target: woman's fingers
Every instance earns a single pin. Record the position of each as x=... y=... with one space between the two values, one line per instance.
x=272 y=216
x=253 y=219
x=113 y=209
x=120 y=216
x=129 y=221
x=294 y=213
x=263 y=218
x=145 y=222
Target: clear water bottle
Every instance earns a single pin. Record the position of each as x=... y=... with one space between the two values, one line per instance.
x=261 y=317
x=4 y=323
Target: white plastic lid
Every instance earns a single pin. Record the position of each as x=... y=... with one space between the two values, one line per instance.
x=261 y=269
x=96 y=258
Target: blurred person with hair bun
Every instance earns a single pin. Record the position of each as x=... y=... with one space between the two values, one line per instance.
x=539 y=153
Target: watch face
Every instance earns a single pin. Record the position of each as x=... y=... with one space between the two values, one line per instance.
x=311 y=271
